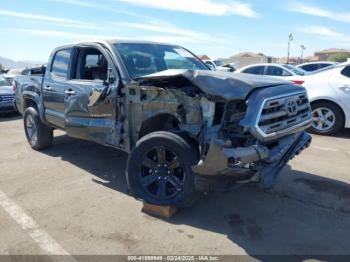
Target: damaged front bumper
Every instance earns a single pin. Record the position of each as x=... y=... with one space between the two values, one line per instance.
x=254 y=160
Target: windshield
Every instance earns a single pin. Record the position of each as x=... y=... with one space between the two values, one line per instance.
x=145 y=59
x=219 y=63
x=3 y=81
x=296 y=70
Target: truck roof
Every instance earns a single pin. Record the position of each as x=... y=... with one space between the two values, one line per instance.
x=113 y=41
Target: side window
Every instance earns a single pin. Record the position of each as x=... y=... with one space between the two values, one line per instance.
x=323 y=66
x=346 y=71
x=311 y=67
x=276 y=71
x=37 y=71
x=91 y=65
x=255 y=70
x=61 y=62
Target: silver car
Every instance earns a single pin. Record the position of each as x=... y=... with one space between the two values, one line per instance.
x=6 y=96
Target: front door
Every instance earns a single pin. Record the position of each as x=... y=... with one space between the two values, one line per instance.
x=90 y=106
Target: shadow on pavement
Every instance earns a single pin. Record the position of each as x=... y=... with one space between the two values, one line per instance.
x=4 y=117
x=260 y=222
x=108 y=164
x=345 y=133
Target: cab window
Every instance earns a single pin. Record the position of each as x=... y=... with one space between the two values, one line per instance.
x=91 y=65
x=60 y=63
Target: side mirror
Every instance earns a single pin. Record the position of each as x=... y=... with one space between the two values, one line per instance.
x=110 y=76
x=99 y=94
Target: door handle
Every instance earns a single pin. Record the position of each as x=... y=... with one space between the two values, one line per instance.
x=69 y=92
x=47 y=88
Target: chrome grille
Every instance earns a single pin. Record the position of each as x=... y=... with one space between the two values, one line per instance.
x=283 y=113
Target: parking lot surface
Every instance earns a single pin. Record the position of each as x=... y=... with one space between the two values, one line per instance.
x=73 y=199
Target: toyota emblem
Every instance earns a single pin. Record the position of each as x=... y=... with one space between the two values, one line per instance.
x=292 y=107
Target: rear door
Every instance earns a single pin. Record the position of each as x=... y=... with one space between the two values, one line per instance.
x=90 y=106
x=340 y=81
x=54 y=85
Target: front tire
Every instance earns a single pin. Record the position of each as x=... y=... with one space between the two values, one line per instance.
x=39 y=136
x=159 y=170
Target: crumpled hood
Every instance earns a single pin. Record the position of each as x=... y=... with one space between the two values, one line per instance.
x=227 y=85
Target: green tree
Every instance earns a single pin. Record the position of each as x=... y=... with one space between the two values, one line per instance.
x=340 y=58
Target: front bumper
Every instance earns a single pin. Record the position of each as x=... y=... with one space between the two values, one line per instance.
x=221 y=160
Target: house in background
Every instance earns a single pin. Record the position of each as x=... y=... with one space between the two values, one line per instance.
x=291 y=60
x=325 y=54
x=248 y=58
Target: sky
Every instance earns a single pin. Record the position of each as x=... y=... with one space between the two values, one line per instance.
x=29 y=30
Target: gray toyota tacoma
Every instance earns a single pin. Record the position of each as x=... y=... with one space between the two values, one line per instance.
x=179 y=121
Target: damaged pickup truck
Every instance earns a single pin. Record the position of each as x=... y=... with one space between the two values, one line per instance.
x=176 y=118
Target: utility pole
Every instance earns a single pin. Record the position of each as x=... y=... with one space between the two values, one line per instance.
x=303 y=48
x=290 y=39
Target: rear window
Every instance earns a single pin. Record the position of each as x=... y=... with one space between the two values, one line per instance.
x=61 y=62
x=346 y=71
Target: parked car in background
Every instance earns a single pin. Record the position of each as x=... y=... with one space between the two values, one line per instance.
x=12 y=73
x=284 y=71
x=6 y=96
x=34 y=71
x=217 y=65
x=313 y=66
x=329 y=94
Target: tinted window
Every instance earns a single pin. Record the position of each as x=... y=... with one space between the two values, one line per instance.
x=91 y=65
x=346 y=71
x=276 y=71
x=37 y=71
x=255 y=70
x=324 y=65
x=61 y=62
x=144 y=59
x=311 y=67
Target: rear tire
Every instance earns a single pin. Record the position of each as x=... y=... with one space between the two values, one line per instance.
x=159 y=170
x=38 y=134
x=328 y=118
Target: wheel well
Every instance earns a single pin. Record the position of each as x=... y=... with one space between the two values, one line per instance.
x=161 y=122
x=329 y=102
x=28 y=102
